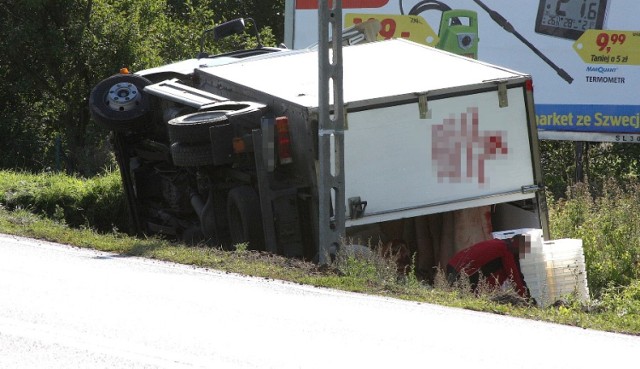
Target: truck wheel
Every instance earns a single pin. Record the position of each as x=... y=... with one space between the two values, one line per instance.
x=194 y=128
x=119 y=103
x=191 y=155
x=244 y=217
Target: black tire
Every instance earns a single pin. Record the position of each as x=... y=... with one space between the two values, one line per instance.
x=245 y=217
x=118 y=103
x=191 y=155
x=194 y=128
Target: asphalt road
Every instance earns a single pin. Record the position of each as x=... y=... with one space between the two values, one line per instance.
x=63 y=307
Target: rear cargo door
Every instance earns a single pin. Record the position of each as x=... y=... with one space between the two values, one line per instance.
x=470 y=152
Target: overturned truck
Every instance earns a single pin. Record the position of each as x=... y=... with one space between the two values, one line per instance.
x=439 y=150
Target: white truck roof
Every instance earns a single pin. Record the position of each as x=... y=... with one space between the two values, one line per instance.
x=378 y=70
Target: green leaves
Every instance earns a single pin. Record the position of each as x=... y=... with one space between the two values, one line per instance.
x=55 y=51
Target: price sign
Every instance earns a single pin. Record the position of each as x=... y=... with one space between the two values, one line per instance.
x=412 y=27
x=609 y=47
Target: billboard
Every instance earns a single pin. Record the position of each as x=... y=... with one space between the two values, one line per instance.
x=583 y=55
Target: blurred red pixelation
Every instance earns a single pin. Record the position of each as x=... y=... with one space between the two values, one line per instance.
x=460 y=149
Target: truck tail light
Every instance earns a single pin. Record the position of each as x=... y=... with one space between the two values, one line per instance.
x=283 y=140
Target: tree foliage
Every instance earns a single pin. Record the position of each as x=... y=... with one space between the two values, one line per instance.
x=55 y=51
x=602 y=163
x=266 y=13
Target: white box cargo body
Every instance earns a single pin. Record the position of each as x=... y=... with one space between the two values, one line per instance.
x=426 y=131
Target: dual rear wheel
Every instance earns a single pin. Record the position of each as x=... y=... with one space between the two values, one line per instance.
x=191 y=147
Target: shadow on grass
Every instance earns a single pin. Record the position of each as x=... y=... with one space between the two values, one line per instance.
x=142 y=249
x=137 y=249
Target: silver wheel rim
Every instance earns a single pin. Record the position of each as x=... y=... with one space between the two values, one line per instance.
x=123 y=96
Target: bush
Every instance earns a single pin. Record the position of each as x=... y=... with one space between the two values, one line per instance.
x=623 y=300
x=609 y=227
x=96 y=203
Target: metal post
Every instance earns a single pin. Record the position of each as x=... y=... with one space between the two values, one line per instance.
x=579 y=172
x=331 y=192
x=58 y=153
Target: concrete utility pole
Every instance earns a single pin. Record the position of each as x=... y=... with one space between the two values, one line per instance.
x=331 y=192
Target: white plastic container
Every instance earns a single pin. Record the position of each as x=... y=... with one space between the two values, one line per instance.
x=552 y=269
x=535 y=233
x=561 y=271
x=566 y=269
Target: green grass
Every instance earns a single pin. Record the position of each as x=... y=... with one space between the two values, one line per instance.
x=97 y=202
x=42 y=207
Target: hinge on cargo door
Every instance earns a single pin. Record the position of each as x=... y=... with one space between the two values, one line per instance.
x=503 y=100
x=423 y=107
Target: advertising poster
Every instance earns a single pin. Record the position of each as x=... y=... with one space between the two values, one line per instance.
x=583 y=55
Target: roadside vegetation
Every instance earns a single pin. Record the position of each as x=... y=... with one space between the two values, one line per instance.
x=56 y=51
x=91 y=213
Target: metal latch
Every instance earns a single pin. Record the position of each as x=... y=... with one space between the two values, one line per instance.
x=530 y=188
x=423 y=106
x=503 y=100
x=356 y=207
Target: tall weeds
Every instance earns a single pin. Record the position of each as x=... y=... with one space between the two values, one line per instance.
x=609 y=226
